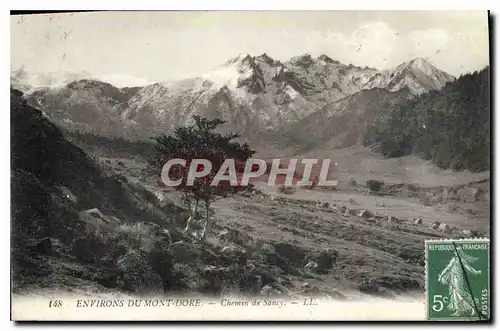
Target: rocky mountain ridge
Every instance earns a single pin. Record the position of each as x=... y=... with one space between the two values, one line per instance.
x=254 y=94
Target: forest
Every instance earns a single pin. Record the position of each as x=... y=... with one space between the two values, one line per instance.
x=450 y=126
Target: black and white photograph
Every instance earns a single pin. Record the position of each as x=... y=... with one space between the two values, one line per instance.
x=248 y=165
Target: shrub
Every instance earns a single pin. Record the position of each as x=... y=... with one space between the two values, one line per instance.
x=292 y=218
x=374 y=185
x=138 y=235
x=102 y=241
x=184 y=276
x=98 y=242
x=425 y=200
x=286 y=189
x=139 y=275
x=412 y=187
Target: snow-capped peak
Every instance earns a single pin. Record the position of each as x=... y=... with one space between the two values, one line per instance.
x=417 y=74
x=422 y=65
x=232 y=72
x=240 y=59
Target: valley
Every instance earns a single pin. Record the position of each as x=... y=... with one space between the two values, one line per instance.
x=378 y=240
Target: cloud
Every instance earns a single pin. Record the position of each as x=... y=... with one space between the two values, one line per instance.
x=377 y=44
x=429 y=41
x=173 y=45
x=374 y=44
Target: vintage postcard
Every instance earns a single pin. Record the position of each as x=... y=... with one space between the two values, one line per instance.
x=250 y=165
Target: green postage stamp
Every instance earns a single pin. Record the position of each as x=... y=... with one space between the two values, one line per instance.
x=457 y=279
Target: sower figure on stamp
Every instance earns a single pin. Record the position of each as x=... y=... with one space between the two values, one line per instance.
x=461 y=301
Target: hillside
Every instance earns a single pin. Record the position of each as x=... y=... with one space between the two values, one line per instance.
x=342 y=123
x=111 y=146
x=451 y=126
x=70 y=216
x=84 y=105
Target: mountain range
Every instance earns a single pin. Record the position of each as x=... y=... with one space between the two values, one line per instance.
x=263 y=99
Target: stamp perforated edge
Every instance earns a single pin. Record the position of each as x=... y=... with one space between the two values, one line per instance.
x=444 y=240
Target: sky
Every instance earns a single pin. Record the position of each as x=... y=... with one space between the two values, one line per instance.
x=137 y=48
